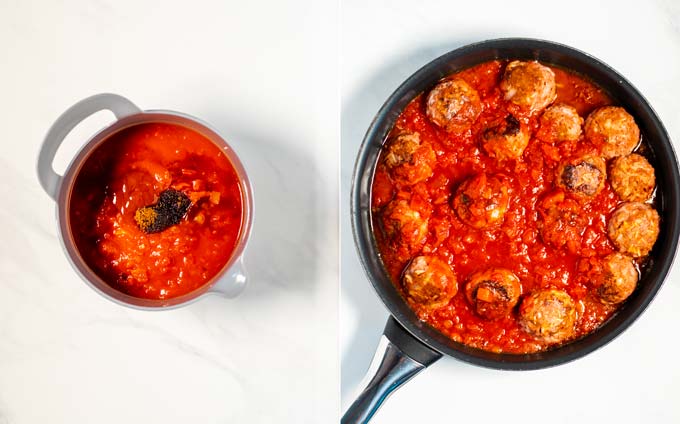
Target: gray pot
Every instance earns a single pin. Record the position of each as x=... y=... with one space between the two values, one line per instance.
x=228 y=282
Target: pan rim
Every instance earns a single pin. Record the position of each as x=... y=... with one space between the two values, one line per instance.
x=364 y=169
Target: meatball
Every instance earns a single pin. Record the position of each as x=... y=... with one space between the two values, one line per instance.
x=453 y=105
x=584 y=176
x=430 y=282
x=548 y=315
x=632 y=178
x=410 y=159
x=493 y=292
x=634 y=228
x=560 y=123
x=481 y=201
x=613 y=131
x=401 y=148
x=505 y=139
x=616 y=278
x=529 y=85
x=405 y=226
x=562 y=222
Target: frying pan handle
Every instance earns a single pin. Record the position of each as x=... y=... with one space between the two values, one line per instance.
x=399 y=357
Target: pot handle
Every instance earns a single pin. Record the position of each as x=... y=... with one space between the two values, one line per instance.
x=120 y=106
x=399 y=357
x=232 y=283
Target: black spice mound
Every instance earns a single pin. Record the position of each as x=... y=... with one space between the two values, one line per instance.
x=171 y=207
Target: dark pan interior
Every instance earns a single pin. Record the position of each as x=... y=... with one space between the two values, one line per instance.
x=661 y=155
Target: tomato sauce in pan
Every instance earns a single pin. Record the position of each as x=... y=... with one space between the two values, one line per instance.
x=129 y=171
x=516 y=244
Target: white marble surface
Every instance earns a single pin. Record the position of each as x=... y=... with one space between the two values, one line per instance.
x=634 y=379
x=265 y=75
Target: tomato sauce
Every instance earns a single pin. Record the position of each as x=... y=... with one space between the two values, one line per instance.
x=127 y=172
x=516 y=244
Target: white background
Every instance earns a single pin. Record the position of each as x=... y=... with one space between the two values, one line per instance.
x=265 y=75
x=634 y=379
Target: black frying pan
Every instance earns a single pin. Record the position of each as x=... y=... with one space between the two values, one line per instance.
x=410 y=345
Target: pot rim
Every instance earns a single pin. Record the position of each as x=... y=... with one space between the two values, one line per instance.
x=63 y=201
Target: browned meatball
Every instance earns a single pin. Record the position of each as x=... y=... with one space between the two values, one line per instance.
x=430 y=282
x=481 y=201
x=560 y=123
x=548 y=315
x=453 y=105
x=584 y=176
x=409 y=158
x=505 y=139
x=493 y=292
x=612 y=130
x=632 y=178
x=616 y=278
x=634 y=228
x=529 y=85
x=405 y=226
x=400 y=149
x=563 y=222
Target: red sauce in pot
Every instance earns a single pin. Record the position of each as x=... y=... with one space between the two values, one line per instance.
x=516 y=244
x=127 y=172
